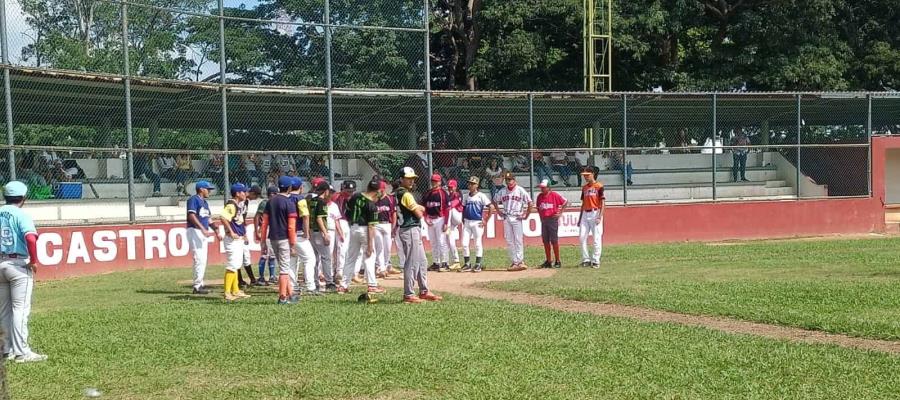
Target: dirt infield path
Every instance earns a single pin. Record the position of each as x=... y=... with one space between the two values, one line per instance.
x=463 y=284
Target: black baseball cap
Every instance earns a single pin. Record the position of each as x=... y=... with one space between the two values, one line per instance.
x=348 y=185
x=323 y=186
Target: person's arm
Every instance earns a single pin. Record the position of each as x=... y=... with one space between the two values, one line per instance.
x=487 y=215
x=263 y=231
x=409 y=202
x=225 y=218
x=31 y=245
x=602 y=204
x=192 y=214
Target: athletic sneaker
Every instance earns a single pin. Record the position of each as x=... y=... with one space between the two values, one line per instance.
x=9 y=356
x=412 y=299
x=375 y=289
x=31 y=357
x=557 y=265
x=517 y=267
x=273 y=280
x=262 y=282
x=342 y=290
x=595 y=265
x=585 y=264
x=466 y=268
x=434 y=268
x=294 y=299
x=444 y=268
x=330 y=288
x=430 y=296
x=478 y=268
x=200 y=290
x=546 y=264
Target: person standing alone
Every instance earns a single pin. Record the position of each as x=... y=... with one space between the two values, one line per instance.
x=18 y=259
x=198 y=232
x=550 y=205
x=590 y=221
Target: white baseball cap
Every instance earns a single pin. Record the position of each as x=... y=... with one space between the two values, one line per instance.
x=408 y=172
x=544 y=183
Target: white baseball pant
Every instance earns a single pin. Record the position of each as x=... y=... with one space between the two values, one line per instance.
x=356 y=257
x=473 y=230
x=590 y=226
x=305 y=261
x=382 y=246
x=453 y=236
x=199 y=245
x=234 y=253
x=438 y=240
x=16 y=286
x=340 y=248
x=323 y=255
x=512 y=232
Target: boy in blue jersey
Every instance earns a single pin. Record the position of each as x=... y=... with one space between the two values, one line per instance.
x=18 y=256
x=198 y=232
x=474 y=219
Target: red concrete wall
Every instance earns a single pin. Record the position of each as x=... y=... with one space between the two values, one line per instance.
x=74 y=251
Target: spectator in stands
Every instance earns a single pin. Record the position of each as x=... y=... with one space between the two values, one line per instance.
x=252 y=173
x=264 y=164
x=739 y=155
x=616 y=163
x=166 y=167
x=183 y=171
x=445 y=162
x=320 y=168
x=285 y=163
x=215 y=170
x=559 y=161
x=494 y=174
x=578 y=162
x=143 y=167
x=304 y=166
x=519 y=163
x=541 y=168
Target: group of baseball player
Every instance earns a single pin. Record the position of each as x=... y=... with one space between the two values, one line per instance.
x=329 y=237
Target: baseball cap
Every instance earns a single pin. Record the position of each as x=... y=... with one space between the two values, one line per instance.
x=587 y=171
x=315 y=181
x=509 y=176
x=255 y=189
x=271 y=190
x=322 y=186
x=452 y=183
x=238 y=187
x=296 y=182
x=436 y=178
x=407 y=172
x=15 y=189
x=203 y=185
x=285 y=182
x=544 y=183
x=348 y=184
x=474 y=179
x=373 y=186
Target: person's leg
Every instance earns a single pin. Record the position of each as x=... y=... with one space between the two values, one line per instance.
x=418 y=255
x=479 y=243
x=743 y=166
x=6 y=321
x=199 y=249
x=405 y=238
x=597 y=231
x=368 y=262
x=520 y=242
x=154 y=177
x=734 y=166
x=354 y=247
x=434 y=237
x=452 y=238
x=510 y=241
x=553 y=237
x=21 y=284
x=282 y=250
x=583 y=233
x=307 y=257
x=545 y=239
x=629 y=172
x=466 y=237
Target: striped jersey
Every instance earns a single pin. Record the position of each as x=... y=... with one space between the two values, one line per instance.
x=514 y=201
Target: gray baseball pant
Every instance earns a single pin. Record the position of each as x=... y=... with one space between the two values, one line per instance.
x=414 y=268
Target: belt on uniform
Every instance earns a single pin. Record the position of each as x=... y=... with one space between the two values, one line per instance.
x=591 y=210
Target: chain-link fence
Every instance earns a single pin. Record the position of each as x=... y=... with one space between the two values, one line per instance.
x=123 y=102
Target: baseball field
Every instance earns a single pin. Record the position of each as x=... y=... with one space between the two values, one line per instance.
x=816 y=319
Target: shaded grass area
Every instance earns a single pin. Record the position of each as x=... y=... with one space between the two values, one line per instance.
x=137 y=335
x=842 y=286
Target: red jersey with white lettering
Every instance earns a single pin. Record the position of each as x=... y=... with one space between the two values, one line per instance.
x=548 y=204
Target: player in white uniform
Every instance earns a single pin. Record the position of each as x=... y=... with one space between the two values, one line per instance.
x=516 y=204
x=474 y=219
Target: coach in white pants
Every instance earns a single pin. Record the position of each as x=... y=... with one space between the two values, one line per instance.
x=516 y=203
x=198 y=232
x=18 y=256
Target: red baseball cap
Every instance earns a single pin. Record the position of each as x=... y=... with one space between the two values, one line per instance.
x=383 y=185
x=452 y=183
x=436 y=178
x=316 y=181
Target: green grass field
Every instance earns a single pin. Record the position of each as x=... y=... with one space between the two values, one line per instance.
x=139 y=335
x=842 y=286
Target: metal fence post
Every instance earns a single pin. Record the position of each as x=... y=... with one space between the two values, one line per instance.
x=531 y=141
x=328 y=86
x=222 y=68
x=799 y=142
x=624 y=149
x=7 y=94
x=869 y=140
x=715 y=101
x=425 y=23
x=128 y=128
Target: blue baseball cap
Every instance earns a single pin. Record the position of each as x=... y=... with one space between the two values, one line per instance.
x=271 y=190
x=297 y=183
x=285 y=182
x=237 y=188
x=15 y=189
x=203 y=185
